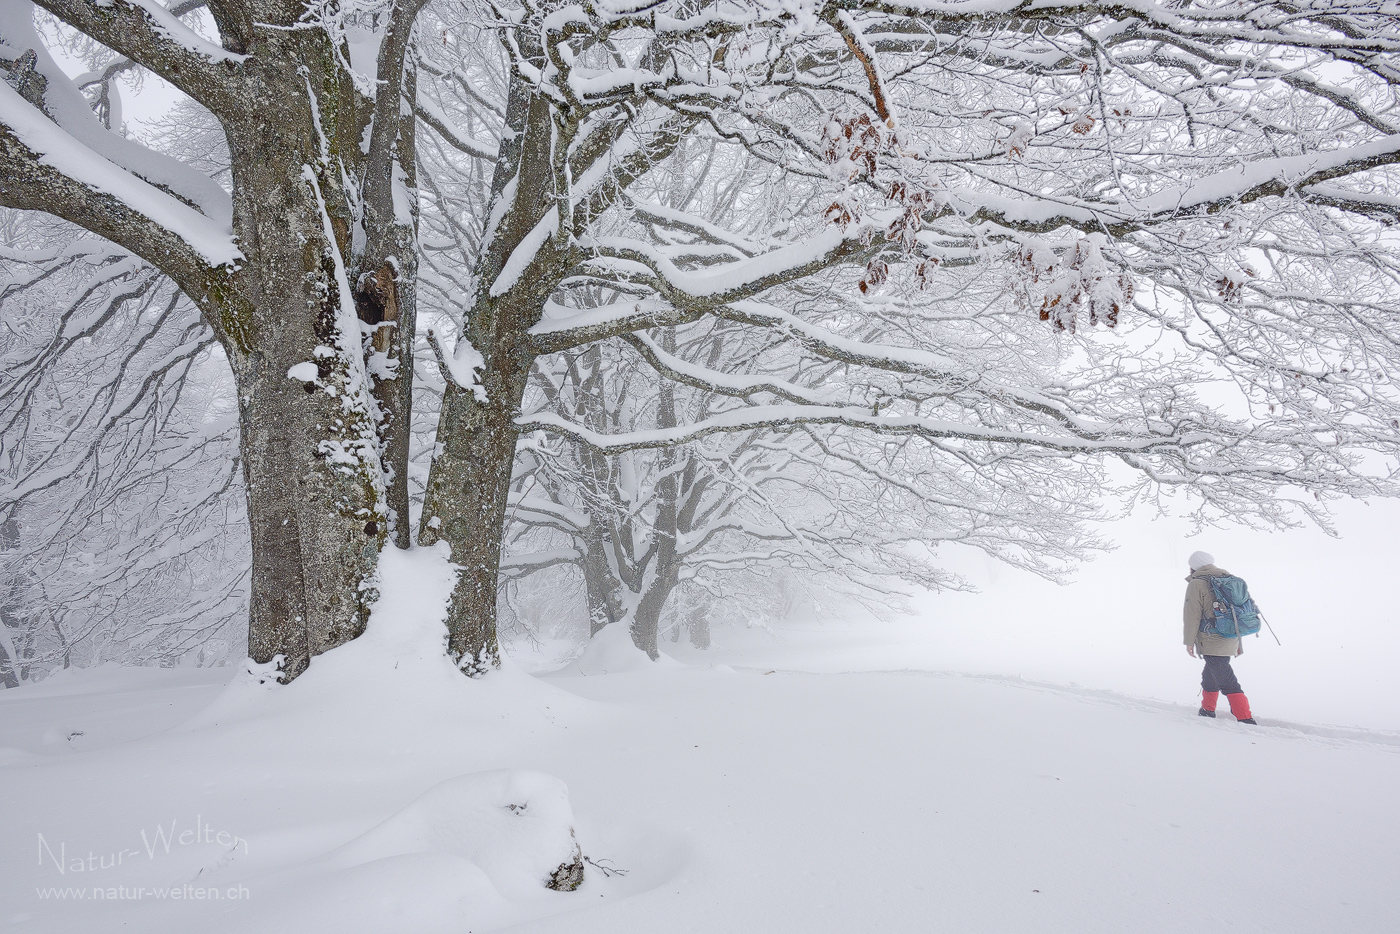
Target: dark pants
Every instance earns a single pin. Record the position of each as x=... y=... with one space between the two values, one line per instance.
x=1219 y=676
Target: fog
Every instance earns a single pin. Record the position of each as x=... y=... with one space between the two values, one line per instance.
x=1117 y=625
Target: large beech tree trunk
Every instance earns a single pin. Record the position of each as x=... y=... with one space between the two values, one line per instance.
x=286 y=310
x=310 y=452
x=316 y=528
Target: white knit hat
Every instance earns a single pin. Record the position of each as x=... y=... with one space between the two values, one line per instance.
x=1199 y=559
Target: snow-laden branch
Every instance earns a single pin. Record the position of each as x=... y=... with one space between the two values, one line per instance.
x=739 y=280
x=522 y=565
x=441 y=124
x=779 y=417
x=43 y=168
x=1243 y=184
x=698 y=377
x=154 y=37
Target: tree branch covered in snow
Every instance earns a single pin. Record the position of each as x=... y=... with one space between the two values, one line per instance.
x=118 y=480
x=1132 y=168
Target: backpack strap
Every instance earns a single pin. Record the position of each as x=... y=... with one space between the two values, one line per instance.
x=1206 y=623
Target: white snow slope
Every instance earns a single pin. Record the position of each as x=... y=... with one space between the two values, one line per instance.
x=384 y=792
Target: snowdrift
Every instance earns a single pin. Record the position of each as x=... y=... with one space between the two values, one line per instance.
x=382 y=791
x=355 y=812
x=517 y=827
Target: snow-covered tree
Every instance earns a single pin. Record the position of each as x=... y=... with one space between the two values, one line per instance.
x=1191 y=196
x=1115 y=168
x=692 y=523
x=317 y=197
x=118 y=470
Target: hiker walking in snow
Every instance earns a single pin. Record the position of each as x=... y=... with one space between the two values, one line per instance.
x=1207 y=613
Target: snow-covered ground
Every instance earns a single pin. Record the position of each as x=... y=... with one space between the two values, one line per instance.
x=809 y=780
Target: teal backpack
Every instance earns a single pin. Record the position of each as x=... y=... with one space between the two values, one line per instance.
x=1235 y=611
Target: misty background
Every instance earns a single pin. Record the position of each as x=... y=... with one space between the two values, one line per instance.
x=1117 y=625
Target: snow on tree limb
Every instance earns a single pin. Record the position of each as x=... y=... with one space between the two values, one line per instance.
x=1243 y=184
x=441 y=124
x=44 y=168
x=778 y=417
x=155 y=38
x=681 y=371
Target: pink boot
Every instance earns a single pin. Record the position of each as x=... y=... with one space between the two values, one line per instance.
x=1208 y=699
x=1239 y=706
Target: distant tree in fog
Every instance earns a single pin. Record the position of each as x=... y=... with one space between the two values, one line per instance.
x=121 y=511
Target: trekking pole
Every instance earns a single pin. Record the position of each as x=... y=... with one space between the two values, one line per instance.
x=1271 y=628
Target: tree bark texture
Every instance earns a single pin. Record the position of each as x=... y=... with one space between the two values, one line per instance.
x=469 y=482
x=466 y=506
x=309 y=446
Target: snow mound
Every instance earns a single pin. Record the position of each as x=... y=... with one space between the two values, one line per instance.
x=408 y=621
x=516 y=826
x=612 y=651
x=474 y=851
x=396 y=672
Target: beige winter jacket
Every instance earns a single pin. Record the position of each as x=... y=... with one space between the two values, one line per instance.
x=1198 y=601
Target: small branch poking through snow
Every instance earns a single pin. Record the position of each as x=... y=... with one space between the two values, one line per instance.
x=270 y=672
x=605 y=867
